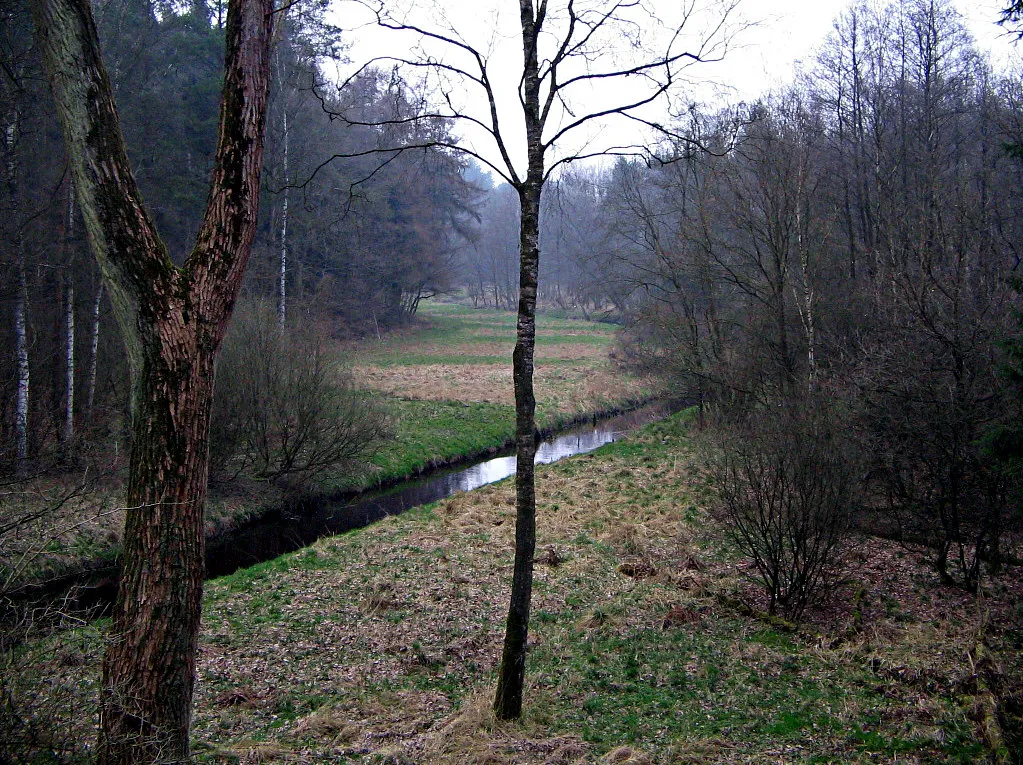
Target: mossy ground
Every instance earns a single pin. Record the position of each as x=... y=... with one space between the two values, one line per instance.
x=380 y=646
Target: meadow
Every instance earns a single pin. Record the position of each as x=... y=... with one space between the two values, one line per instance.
x=647 y=645
x=446 y=382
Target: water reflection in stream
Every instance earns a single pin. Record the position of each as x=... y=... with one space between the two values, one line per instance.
x=285 y=531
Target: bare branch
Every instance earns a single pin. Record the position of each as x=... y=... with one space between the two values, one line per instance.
x=481 y=80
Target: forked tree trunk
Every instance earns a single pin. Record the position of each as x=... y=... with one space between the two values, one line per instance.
x=511 y=676
x=173 y=321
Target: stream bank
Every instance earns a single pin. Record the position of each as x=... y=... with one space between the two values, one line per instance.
x=302 y=519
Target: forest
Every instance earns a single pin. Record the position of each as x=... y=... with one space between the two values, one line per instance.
x=825 y=280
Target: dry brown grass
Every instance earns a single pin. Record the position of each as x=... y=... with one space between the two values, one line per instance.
x=380 y=646
x=413 y=597
x=573 y=371
x=564 y=389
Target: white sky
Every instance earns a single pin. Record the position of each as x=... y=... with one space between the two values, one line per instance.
x=791 y=30
x=760 y=57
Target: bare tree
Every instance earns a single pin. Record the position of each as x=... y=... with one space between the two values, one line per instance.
x=172 y=320
x=1012 y=18
x=583 y=62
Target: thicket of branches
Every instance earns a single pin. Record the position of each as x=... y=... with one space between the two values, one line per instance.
x=859 y=245
x=788 y=485
x=285 y=407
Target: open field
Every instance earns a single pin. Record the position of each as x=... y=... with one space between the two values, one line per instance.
x=447 y=384
x=464 y=354
x=380 y=646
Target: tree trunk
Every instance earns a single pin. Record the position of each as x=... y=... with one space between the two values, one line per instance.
x=90 y=388
x=282 y=284
x=21 y=355
x=21 y=403
x=67 y=430
x=511 y=679
x=511 y=676
x=149 y=667
x=172 y=321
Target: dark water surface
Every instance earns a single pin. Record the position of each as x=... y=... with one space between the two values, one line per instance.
x=287 y=530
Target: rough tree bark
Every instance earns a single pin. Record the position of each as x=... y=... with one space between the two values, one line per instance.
x=173 y=320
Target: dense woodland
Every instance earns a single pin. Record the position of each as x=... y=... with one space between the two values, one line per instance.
x=358 y=241
x=830 y=273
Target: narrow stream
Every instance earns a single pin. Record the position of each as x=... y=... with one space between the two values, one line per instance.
x=292 y=529
x=285 y=530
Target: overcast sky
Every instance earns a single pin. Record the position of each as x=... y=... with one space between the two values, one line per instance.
x=760 y=57
x=792 y=29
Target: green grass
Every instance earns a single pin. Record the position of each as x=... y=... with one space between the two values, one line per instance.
x=455 y=325
x=474 y=342
x=394 y=631
x=426 y=431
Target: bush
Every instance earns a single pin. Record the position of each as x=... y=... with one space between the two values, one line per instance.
x=787 y=485
x=285 y=406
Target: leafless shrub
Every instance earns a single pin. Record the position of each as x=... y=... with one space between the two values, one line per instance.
x=787 y=485
x=48 y=519
x=285 y=405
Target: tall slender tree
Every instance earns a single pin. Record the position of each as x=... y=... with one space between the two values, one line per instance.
x=569 y=82
x=172 y=320
x=11 y=136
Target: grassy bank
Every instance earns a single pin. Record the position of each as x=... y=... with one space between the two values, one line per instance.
x=444 y=384
x=380 y=646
